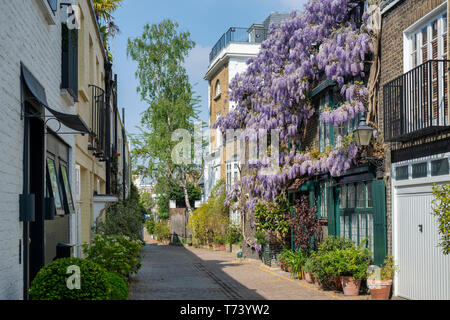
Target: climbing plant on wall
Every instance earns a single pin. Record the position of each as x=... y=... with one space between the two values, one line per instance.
x=330 y=40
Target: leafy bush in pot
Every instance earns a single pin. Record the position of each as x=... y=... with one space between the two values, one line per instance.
x=51 y=281
x=118 y=286
x=332 y=243
x=118 y=254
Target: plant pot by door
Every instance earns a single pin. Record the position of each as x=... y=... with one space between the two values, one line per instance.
x=350 y=285
x=337 y=283
x=309 y=277
x=379 y=289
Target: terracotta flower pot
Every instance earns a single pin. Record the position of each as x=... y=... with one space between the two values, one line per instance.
x=337 y=283
x=350 y=286
x=309 y=277
x=379 y=289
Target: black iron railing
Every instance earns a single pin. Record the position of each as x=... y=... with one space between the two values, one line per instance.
x=69 y=61
x=237 y=35
x=97 y=139
x=416 y=103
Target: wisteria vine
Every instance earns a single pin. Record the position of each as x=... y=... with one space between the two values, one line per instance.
x=329 y=39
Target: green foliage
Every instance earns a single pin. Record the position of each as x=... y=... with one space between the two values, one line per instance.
x=119 y=254
x=169 y=190
x=273 y=216
x=150 y=226
x=160 y=54
x=310 y=264
x=352 y=261
x=233 y=235
x=162 y=231
x=51 y=281
x=441 y=210
x=296 y=261
x=123 y=218
x=260 y=237
x=210 y=221
x=387 y=270
x=332 y=243
x=118 y=286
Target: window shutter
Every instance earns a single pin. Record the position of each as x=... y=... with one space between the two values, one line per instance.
x=331 y=212
x=379 y=207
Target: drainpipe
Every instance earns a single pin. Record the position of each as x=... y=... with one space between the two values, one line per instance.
x=116 y=114
x=124 y=136
x=108 y=80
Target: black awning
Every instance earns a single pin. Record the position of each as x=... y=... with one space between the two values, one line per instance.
x=72 y=121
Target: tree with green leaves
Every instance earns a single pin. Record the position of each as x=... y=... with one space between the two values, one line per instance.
x=441 y=210
x=164 y=85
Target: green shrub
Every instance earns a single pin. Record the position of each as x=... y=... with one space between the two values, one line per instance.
x=334 y=243
x=296 y=261
x=233 y=235
x=51 y=281
x=310 y=264
x=162 y=231
x=352 y=262
x=118 y=286
x=260 y=237
x=123 y=218
x=441 y=210
x=118 y=254
x=150 y=226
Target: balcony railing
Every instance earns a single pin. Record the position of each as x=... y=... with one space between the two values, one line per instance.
x=237 y=35
x=97 y=140
x=416 y=103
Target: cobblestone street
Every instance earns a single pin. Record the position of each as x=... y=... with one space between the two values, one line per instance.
x=181 y=273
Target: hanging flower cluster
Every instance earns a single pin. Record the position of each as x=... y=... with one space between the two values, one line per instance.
x=326 y=40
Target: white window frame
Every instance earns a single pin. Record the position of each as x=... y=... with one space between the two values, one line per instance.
x=408 y=34
x=419 y=181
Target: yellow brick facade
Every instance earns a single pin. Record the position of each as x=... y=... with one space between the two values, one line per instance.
x=91 y=57
x=219 y=105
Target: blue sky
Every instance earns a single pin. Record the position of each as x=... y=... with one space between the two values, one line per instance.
x=206 y=20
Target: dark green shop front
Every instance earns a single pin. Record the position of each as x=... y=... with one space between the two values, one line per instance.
x=351 y=206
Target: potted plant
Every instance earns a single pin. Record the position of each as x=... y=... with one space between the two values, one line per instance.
x=329 y=261
x=379 y=280
x=352 y=266
x=308 y=269
x=297 y=261
x=219 y=243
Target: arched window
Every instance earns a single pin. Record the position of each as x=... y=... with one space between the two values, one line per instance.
x=217 y=88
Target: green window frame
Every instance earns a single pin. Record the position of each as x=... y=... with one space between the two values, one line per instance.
x=322 y=200
x=360 y=216
x=356 y=218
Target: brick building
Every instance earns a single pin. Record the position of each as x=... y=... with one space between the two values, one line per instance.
x=414 y=117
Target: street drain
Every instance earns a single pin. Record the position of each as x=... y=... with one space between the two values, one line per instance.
x=227 y=289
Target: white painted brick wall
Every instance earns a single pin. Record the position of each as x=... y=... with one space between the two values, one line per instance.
x=24 y=36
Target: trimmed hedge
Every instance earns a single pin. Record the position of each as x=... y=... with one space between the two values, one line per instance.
x=119 y=286
x=51 y=281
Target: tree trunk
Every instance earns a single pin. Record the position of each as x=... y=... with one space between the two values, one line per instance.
x=186 y=198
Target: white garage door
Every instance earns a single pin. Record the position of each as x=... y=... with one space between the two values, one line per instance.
x=424 y=272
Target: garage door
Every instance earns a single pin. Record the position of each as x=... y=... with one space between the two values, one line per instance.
x=424 y=272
